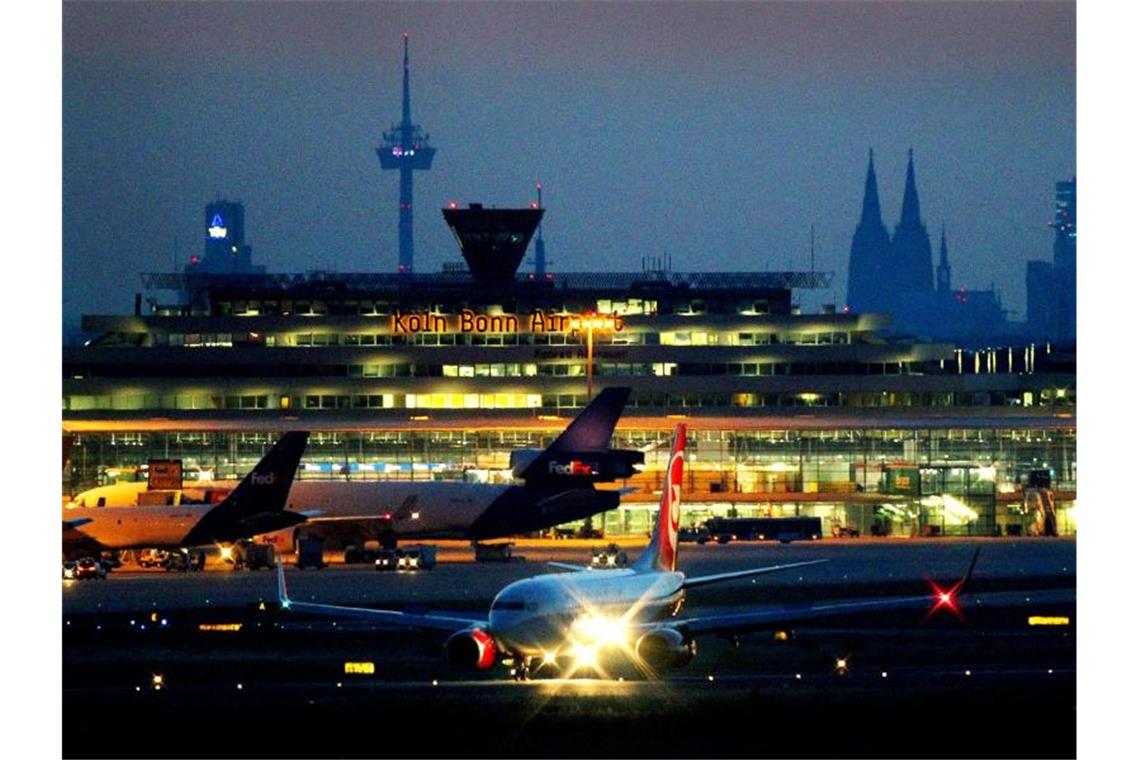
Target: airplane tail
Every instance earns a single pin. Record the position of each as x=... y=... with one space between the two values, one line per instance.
x=593 y=428
x=582 y=451
x=258 y=503
x=661 y=554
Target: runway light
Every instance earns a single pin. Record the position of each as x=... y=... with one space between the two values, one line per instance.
x=156 y=681
x=799 y=677
x=781 y=636
x=239 y=687
x=711 y=678
x=434 y=682
x=841 y=665
x=548 y=658
x=967 y=672
x=883 y=674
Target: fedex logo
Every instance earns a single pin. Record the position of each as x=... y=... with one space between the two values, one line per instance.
x=573 y=467
x=263 y=480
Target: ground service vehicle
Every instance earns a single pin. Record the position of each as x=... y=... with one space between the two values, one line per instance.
x=89 y=569
x=310 y=552
x=608 y=556
x=493 y=552
x=416 y=557
x=153 y=557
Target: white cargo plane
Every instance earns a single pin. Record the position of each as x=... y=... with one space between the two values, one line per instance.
x=551 y=618
x=255 y=506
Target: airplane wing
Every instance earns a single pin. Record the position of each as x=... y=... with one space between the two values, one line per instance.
x=77 y=523
x=702 y=580
x=381 y=617
x=743 y=622
x=568 y=566
x=762 y=619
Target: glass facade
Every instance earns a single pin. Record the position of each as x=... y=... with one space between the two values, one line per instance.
x=927 y=482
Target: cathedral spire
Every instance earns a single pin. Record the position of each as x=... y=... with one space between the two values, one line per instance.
x=872 y=214
x=943 y=265
x=910 y=211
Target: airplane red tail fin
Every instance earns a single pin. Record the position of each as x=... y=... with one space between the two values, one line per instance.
x=661 y=554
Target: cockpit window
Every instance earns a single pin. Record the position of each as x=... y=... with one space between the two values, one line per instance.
x=505 y=605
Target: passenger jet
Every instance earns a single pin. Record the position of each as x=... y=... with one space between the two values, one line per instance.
x=556 y=617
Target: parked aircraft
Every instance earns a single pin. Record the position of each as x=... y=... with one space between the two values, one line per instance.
x=557 y=486
x=558 y=616
x=255 y=506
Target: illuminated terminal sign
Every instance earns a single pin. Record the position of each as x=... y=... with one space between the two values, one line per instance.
x=217 y=229
x=468 y=321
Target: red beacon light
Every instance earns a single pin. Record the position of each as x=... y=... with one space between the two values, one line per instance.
x=948 y=598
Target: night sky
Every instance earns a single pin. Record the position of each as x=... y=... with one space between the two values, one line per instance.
x=715 y=133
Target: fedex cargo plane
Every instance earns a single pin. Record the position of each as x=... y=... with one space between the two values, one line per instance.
x=557 y=486
x=255 y=506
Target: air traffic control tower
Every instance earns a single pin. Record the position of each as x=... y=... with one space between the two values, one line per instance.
x=405 y=147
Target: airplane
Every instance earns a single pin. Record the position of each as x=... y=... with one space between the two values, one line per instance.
x=255 y=506
x=551 y=617
x=558 y=486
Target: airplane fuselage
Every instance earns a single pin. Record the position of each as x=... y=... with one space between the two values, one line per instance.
x=403 y=510
x=549 y=613
x=134 y=527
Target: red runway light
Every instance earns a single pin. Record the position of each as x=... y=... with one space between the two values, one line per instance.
x=945 y=598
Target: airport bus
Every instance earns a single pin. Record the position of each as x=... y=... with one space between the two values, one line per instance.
x=783 y=529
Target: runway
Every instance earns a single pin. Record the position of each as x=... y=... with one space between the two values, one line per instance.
x=240 y=680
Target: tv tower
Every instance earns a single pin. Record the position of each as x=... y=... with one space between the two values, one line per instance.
x=539 y=245
x=405 y=147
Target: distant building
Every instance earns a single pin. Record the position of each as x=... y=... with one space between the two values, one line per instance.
x=225 y=250
x=910 y=246
x=1065 y=260
x=1051 y=287
x=869 y=286
x=896 y=276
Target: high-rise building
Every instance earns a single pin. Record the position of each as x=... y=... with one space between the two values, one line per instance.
x=1065 y=260
x=225 y=249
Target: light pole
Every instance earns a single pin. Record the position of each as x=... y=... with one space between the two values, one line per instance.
x=593 y=322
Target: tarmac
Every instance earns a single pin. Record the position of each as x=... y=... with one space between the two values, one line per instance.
x=238 y=680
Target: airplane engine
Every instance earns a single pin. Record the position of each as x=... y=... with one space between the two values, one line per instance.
x=665 y=648
x=472 y=649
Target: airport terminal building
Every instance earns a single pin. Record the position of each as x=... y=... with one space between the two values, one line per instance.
x=442 y=375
